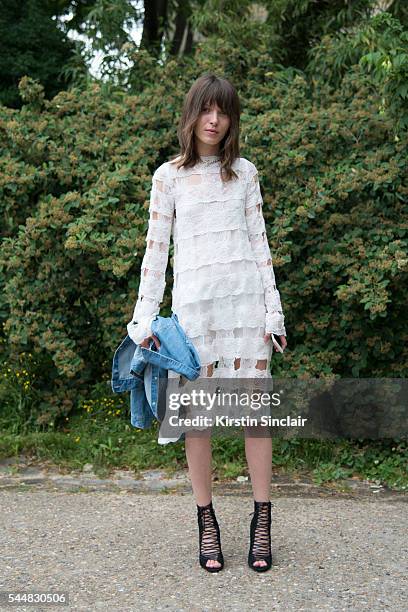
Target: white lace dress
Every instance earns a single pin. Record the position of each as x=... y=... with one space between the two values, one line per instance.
x=224 y=290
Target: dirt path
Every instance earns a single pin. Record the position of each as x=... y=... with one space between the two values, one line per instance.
x=135 y=546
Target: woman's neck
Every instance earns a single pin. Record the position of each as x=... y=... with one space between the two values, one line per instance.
x=204 y=151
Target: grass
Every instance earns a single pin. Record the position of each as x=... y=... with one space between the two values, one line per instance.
x=109 y=441
x=99 y=432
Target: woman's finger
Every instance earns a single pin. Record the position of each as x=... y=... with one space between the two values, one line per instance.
x=156 y=341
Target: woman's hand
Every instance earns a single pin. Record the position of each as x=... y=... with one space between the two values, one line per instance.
x=283 y=342
x=146 y=341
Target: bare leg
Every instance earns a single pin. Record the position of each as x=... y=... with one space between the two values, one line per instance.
x=199 y=456
x=258 y=450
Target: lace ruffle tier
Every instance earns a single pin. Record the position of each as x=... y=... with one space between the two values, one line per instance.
x=224 y=289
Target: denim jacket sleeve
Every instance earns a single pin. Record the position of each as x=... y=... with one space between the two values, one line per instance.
x=153 y=270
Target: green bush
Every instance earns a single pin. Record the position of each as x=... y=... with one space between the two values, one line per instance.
x=75 y=184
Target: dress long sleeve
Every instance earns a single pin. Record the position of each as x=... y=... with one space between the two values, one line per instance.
x=153 y=270
x=274 y=318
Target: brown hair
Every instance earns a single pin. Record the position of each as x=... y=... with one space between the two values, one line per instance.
x=209 y=89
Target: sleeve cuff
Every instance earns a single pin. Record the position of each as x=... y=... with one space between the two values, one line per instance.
x=274 y=324
x=138 y=331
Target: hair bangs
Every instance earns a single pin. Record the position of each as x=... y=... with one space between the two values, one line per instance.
x=209 y=89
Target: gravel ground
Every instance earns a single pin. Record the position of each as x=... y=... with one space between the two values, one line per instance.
x=132 y=551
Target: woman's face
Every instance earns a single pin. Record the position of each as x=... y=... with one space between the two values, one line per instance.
x=211 y=127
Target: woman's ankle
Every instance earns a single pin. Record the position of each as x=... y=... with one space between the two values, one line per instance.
x=202 y=503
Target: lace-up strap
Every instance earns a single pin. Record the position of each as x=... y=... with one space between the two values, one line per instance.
x=209 y=542
x=261 y=545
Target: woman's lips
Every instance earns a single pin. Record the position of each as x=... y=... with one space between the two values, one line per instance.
x=213 y=132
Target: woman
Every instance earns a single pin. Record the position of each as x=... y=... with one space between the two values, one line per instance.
x=208 y=198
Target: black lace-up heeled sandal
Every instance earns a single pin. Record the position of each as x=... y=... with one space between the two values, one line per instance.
x=209 y=534
x=260 y=537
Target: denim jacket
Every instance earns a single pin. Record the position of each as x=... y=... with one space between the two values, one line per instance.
x=144 y=371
